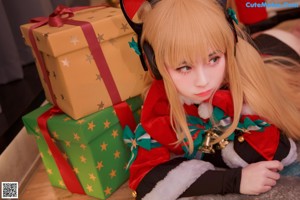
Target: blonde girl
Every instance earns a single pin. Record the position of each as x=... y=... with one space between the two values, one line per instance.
x=194 y=51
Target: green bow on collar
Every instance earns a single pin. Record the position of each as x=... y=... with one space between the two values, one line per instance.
x=199 y=128
x=137 y=139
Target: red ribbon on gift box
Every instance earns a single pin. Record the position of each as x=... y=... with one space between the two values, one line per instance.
x=59 y=17
x=66 y=171
x=69 y=177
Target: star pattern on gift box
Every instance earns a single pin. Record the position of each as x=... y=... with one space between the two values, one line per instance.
x=100 y=37
x=42 y=154
x=113 y=173
x=83 y=159
x=74 y=40
x=67 y=119
x=98 y=77
x=80 y=121
x=65 y=156
x=117 y=154
x=49 y=171
x=49 y=152
x=76 y=136
x=115 y=134
x=106 y=124
x=55 y=135
x=100 y=105
x=61 y=183
x=38 y=137
x=89 y=188
x=99 y=165
x=75 y=169
x=83 y=146
x=108 y=190
x=124 y=27
x=89 y=58
x=91 y=126
x=46 y=35
x=68 y=143
x=37 y=129
x=92 y=177
x=65 y=62
x=103 y=146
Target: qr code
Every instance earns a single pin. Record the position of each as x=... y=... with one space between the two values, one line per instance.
x=9 y=190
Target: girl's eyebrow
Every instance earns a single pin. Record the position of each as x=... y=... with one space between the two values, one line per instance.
x=183 y=63
x=214 y=53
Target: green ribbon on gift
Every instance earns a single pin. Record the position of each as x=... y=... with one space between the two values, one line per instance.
x=140 y=138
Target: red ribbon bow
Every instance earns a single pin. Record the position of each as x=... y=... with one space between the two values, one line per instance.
x=57 y=17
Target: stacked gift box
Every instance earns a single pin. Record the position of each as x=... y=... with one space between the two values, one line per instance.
x=92 y=79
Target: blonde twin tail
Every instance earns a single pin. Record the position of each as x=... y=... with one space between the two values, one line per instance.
x=270 y=89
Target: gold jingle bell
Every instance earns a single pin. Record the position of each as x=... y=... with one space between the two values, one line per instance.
x=134 y=194
x=241 y=138
x=223 y=143
x=207 y=147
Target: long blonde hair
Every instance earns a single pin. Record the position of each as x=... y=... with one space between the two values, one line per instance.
x=185 y=30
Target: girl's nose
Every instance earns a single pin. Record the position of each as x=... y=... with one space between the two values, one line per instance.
x=201 y=78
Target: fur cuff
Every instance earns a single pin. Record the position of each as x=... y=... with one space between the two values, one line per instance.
x=178 y=180
x=231 y=158
x=292 y=156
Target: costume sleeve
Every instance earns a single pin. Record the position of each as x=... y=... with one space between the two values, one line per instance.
x=155 y=118
x=255 y=140
x=180 y=177
x=259 y=146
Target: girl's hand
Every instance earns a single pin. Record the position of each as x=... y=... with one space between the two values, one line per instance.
x=260 y=177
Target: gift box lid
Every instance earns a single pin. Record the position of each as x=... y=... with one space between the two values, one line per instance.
x=108 y=23
x=63 y=128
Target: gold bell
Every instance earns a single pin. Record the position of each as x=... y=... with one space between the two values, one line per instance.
x=134 y=194
x=223 y=143
x=207 y=147
x=241 y=139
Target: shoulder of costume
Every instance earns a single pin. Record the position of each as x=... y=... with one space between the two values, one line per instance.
x=223 y=100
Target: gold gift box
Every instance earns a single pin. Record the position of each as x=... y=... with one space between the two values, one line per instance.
x=76 y=82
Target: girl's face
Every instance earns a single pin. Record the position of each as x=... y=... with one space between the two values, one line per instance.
x=198 y=82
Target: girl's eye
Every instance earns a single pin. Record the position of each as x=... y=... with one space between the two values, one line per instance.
x=183 y=69
x=214 y=60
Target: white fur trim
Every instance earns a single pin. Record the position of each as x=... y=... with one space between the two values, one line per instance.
x=178 y=180
x=292 y=156
x=205 y=110
x=231 y=158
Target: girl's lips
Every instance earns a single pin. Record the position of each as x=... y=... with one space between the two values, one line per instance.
x=204 y=94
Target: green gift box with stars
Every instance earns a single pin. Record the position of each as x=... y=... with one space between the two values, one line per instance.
x=69 y=72
x=93 y=147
